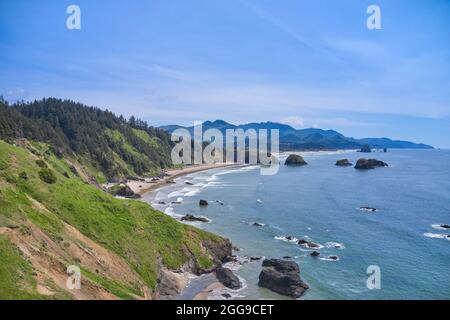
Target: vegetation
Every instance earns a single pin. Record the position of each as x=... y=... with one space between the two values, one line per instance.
x=53 y=195
x=108 y=145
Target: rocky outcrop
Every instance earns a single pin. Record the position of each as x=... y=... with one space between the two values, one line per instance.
x=203 y=203
x=219 y=251
x=366 y=164
x=295 y=160
x=228 y=278
x=445 y=226
x=283 y=277
x=366 y=149
x=343 y=163
x=315 y=254
x=192 y=218
x=308 y=244
x=122 y=190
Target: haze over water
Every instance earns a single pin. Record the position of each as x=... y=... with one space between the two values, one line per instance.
x=320 y=202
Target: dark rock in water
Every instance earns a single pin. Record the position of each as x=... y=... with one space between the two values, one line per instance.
x=366 y=149
x=257 y=224
x=190 y=217
x=228 y=278
x=289 y=238
x=170 y=182
x=232 y=258
x=370 y=164
x=308 y=244
x=122 y=190
x=333 y=257
x=295 y=160
x=203 y=203
x=255 y=258
x=226 y=295
x=161 y=202
x=282 y=266
x=367 y=209
x=385 y=150
x=236 y=249
x=189 y=183
x=283 y=277
x=343 y=163
x=445 y=226
x=287 y=257
x=219 y=202
x=315 y=254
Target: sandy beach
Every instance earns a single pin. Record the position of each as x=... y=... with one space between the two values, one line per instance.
x=150 y=184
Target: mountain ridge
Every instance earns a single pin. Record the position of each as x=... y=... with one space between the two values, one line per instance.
x=292 y=139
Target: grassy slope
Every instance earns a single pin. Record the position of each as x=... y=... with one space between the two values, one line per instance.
x=131 y=229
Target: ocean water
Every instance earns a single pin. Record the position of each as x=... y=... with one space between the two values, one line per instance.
x=320 y=202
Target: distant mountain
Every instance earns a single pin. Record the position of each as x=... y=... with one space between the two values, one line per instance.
x=308 y=139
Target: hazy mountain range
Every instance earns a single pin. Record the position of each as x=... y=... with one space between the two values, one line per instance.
x=308 y=139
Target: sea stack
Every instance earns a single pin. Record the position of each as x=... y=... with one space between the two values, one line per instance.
x=283 y=277
x=366 y=149
x=366 y=164
x=295 y=160
x=343 y=163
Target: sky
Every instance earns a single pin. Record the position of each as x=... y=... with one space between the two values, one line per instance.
x=304 y=63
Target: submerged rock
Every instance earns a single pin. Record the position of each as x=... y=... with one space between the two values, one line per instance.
x=369 y=209
x=295 y=160
x=257 y=224
x=370 y=164
x=203 y=203
x=283 y=277
x=343 y=163
x=315 y=254
x=255 y=258
x=190 y=217
x=226 y=295
x=228 y=278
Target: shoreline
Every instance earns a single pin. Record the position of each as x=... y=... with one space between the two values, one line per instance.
x=152 y=184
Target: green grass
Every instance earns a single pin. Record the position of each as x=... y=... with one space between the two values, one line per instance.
x=16 y=274
x=129 y=228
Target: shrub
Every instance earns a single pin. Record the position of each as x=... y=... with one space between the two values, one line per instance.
x=47 y=176
x=41 y=163
x=23 y=175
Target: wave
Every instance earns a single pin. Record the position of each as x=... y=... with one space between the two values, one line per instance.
x=437 y=235
x=330 y=258
x=287 y=239
x=336 y=245
x=439 y=227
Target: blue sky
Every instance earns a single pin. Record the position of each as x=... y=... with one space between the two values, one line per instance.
x=305 y=63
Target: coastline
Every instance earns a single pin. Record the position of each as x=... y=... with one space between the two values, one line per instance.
x=197 y=288
x=205 y=291
x=150 y=185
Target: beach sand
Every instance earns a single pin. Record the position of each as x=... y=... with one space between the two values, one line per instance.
x=151 y=184
x=206 y=293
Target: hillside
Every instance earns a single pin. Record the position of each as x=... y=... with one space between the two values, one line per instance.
x=110 y=147
x=51 y=218
x=307 y=139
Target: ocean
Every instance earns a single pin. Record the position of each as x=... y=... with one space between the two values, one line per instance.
x=321 y=203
